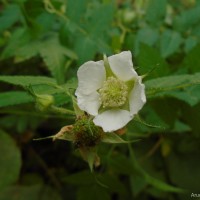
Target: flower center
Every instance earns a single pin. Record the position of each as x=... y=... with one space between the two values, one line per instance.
x=113 y=93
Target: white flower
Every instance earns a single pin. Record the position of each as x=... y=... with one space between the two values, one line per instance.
x=111 y=91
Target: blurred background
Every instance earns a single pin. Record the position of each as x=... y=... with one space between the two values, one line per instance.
x=53 y=38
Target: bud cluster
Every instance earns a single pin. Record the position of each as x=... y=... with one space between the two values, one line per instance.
x=86 y=133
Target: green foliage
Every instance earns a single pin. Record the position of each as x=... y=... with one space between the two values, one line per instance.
x=43 y=43
x=156 y=11
x=6 y=98
x=170 y=43
x=27 y=80
x=9 y=16
x=182 y=87
x=10 y=160
x=29 y=192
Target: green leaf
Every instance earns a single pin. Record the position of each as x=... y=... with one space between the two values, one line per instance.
x=187 y=19
x=147 y=36
x=148 y=59
x=113 y=138
x=99 y=20
x=27 y=51
x=184 y=167
x=189 y=95
x=113 y=183
x=190 y=43
x=18 y=38
x=9 y=16
x=54 y=55
x=76 y=9
x=90 y=156
x=137 y=183
x=14 y=98
x=80 y=178
x=156 y=11
x=151 y=180
x=191 y=116
x=93 y=192
x=10 y=160
x=121 y=164
x=91 y=36
x=28 y=80
x=182 y=87
x=170 y=42
x=170 y=83
x=33 y=192
x=192 y=61
x=85 y=48
x=162 y=185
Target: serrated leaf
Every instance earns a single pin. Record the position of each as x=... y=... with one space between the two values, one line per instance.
x=147 y=36
x=14 y=98
x=18 y=38
x=29 y=50
x=76 y=9
x=149 y=58
x=54 y=55
x=170 y=42
x=99 y=20
x=28 y=80
x=90 y=37
x=10 y=161
x=171 y=83
x=186 y=90
x=189 y=95
x=85 y=48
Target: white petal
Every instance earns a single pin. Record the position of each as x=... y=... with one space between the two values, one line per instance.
x=89 y=103
x=112 y=120
x=122 y=65
x=137 y=97
x=91 y=76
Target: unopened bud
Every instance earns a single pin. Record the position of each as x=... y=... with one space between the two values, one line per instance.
x=128 y=16
x=44 y=101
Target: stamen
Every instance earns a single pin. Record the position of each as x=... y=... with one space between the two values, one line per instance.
x=113 y=93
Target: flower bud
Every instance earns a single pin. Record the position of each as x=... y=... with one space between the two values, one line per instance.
x=128 y=16
x=44 y=101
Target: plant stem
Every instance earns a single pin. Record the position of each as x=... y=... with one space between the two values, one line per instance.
x=62 y=110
